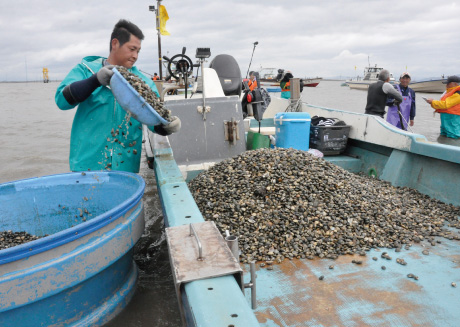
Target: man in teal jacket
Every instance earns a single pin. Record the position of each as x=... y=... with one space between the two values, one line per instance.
x=103 y=136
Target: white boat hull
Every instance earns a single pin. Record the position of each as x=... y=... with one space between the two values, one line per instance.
x=362 y=85
x=433 y=86
x=311 y=82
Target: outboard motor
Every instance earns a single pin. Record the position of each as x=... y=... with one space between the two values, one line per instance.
x=254 y=103
x=229 y=73
x=257 y=108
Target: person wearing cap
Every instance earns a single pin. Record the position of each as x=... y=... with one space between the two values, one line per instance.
x=407 y=106
x=378 y=93
x=449 y=108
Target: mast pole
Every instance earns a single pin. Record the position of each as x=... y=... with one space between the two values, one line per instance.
x=159 y=39
x=255 y=43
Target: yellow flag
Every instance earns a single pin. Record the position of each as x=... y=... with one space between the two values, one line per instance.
x=163 y=17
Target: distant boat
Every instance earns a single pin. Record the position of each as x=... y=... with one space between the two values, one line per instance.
x=429 y=85
x=371 y=75
x=311 y=82
x=268 y=77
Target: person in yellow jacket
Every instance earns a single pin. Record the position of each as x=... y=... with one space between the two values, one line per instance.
x=449 y=108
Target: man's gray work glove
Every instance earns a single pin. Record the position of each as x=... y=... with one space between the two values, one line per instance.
x=105 y=74
x=172 y=127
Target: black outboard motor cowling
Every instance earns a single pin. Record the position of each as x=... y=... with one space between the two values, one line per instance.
x=229 y=73
x=257 y=109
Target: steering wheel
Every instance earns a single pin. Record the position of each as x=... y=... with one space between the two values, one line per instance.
x=183 y=65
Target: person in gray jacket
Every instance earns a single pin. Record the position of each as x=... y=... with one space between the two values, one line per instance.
x=378 y=92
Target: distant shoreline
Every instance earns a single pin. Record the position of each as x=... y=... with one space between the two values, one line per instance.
x=51 y=81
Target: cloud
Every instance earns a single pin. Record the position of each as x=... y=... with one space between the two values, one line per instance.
x=325 y=38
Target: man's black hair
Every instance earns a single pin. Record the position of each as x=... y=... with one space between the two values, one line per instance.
x=123 y=30
x=287 y=77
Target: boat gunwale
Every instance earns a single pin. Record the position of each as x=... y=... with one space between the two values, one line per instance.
x=227 y=298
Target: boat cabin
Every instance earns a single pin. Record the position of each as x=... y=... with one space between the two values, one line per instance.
x=372 y=73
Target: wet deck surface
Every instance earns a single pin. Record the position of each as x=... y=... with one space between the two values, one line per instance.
x=363 y=295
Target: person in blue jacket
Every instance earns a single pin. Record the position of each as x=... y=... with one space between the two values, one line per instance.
x=103 y=135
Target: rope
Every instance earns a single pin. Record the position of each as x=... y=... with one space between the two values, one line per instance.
x=295 y=106
x=407 y=124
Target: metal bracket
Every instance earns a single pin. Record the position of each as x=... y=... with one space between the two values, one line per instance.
x=200 y=248
x=199 y=251
x=252 y=284
x=200 y=109
x=203 y=112
x=231 y=130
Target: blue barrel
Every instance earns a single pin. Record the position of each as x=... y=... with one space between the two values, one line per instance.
x=82 y=271
x=292 y=130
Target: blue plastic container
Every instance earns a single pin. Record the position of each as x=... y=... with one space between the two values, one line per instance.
x=82 y=273
x=131 y=101
x=292 y=130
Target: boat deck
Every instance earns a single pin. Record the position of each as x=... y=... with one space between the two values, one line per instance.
x=363 y=295
x=350 y=294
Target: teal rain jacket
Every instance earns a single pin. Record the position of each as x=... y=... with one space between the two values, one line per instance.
x=94 y=143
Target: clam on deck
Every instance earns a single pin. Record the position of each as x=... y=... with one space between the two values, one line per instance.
x=363 y=295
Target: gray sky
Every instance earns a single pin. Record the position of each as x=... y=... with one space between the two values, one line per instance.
x=310 y=38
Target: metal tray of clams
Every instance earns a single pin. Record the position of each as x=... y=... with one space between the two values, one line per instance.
x=131 y=101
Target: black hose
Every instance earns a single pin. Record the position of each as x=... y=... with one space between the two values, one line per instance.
x=196 y=79
x=186 y=84
x=400 y=117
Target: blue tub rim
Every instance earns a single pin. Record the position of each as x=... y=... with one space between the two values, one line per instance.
x=73 y=233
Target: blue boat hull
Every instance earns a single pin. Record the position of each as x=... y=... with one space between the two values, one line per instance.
x=83 y=274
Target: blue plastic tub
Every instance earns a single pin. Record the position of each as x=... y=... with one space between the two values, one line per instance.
x=292 y=130
x=83 y=272
x=131 y=101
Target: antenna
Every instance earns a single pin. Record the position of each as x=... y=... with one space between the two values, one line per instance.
x=255 y=43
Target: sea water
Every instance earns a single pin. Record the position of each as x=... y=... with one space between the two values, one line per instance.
x=35 y=137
